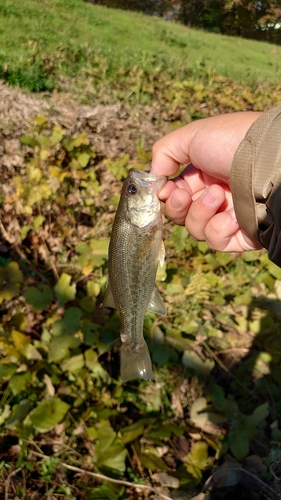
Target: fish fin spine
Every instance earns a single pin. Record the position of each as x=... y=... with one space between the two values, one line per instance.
x=156 y=303
x=108 y=300
x=135 y=362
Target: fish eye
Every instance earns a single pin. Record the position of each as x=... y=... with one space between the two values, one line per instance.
x=132 y=189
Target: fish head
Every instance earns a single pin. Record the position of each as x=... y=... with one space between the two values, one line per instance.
x=141 y=191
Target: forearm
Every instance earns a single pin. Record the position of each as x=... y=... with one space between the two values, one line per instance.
x=256 y=182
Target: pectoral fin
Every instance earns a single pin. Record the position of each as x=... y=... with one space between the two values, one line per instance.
x=162 y=254
x=156 y=304
x=108 y=300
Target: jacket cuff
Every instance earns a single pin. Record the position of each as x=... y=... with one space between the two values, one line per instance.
x=256 y=183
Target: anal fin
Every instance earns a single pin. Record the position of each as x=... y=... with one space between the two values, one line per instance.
x=156 y=304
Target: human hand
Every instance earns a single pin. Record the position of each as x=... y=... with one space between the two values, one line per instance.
x=200 y=197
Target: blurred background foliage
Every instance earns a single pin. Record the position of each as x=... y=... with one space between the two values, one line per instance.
x=210 y=423
x=249 y=19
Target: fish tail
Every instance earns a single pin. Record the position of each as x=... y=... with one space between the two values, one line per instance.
x=135 y=362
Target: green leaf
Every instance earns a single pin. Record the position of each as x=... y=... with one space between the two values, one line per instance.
x=90 y=333
x=57 y=134
x=73 y=364
x=274 y=270
x=239 y=438
x=38 y=221
x=192 y=360
x=70 y=323
x=81 y=140
x=106 y=436
x=19 y=382
x=206 y=420
x=40 y=298
x=259 y=415
x=75 y=142
x=216 y=393
x=164 y=431
x=195 y=474
x=116 y=460
x=30 y=352
x=63 y=290
x=4 y=413
x=119 y=166
x=203 y=247
x=40 y=120
x=276 y=374
x=48 y=414
x=24 y=231
x=87 y=304
x=29 y=140
x=20 y=411
x=82 y=248
x=132 y=432
x=239 y=446
x=179 y=237
x=93 y=288
x=7 y=370
x=152 y=462
x=60 y=346
x=198 y=456
x=93 y=254
x=175 y=289
x=10 y=279
x=276 y=435
x=110 y=451
x=163 y=354
x=83 y=159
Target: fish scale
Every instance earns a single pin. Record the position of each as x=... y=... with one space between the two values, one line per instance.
x=134 y=252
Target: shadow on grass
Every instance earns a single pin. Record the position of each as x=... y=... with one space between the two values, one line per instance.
x=260 y=370
x=254 y=380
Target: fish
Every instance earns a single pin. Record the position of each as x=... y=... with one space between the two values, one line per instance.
x=135 y=249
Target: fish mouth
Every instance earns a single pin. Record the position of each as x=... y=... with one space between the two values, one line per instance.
x=155 y=181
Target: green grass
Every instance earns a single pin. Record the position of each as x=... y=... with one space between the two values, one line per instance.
x=77 y=33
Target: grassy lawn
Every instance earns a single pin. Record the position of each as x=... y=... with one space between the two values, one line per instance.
x=75 y=33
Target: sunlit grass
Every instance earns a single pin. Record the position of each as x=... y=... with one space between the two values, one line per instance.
x=77 y=32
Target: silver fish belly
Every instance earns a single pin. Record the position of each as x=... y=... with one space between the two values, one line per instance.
x=135 y=249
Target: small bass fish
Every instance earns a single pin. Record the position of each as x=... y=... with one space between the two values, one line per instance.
x=135 y=249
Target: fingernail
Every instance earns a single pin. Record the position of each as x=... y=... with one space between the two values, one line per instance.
x=209 y=198
x=233 y=214
x=175 y=202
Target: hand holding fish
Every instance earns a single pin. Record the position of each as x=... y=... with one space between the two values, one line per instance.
x=200 y=197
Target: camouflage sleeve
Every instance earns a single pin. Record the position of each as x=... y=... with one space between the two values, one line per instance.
x=256 y=182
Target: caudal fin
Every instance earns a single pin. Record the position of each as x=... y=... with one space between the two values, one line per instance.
x=135 y=362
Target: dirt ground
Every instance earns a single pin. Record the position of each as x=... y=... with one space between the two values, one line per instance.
x=112 y=129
